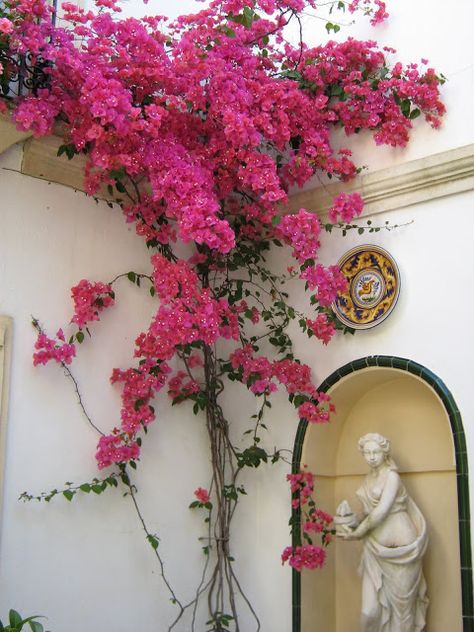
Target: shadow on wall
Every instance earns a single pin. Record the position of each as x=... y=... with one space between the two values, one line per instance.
x=403 y=407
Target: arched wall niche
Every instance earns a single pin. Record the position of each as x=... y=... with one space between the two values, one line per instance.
x=413 y=408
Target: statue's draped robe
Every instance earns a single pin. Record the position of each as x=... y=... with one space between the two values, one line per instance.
x=396 y=572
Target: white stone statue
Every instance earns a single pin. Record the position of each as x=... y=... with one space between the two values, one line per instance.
x=394 y=533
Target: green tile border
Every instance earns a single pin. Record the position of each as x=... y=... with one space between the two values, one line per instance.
x=462 y=474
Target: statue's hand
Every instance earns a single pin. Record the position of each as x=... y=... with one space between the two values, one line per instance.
x=347 y=533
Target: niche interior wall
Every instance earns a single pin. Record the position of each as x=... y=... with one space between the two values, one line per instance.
x=410 y=405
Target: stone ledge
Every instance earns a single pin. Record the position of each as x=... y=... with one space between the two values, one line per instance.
x=9 y=135
x=410 y=183
x=40 y=160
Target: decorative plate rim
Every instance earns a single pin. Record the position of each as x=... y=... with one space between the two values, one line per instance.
x=373 y=323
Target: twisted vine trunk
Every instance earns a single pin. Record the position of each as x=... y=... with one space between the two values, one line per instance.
x=223 y=584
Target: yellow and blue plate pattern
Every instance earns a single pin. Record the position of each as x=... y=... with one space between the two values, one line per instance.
x=374 y=286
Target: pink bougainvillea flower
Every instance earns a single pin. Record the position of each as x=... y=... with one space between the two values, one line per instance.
x=202 y=495
x=48 y=349
x=322 y=328
x=6 y=26
x=89 y=299
x=307 y=556
x=346 y=206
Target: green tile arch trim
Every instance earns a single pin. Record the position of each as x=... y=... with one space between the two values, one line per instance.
x=440 y=388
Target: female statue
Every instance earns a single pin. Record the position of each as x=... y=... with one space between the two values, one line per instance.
x=394 y=533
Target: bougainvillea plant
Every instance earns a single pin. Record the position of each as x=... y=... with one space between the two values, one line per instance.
x=197 y=130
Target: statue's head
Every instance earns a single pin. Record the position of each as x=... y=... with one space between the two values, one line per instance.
x=376 y=450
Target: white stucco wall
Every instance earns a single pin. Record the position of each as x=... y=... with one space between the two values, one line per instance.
x=85 y=565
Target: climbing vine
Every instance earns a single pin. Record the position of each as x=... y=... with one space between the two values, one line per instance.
x=196 y=130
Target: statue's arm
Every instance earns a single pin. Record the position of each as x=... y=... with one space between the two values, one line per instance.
x=380 y=512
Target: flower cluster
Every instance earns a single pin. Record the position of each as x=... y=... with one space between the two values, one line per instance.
x=203 y=500
x=313 y=521
x=116 y=448
x=181 y=386
x=259 y=374
x=377 y=16
x=202 y=495
x=57 y=350
x=140 y=385
x=346 y=206
x=328 y=282
x=295 y=377
x=302 y=487
x=89 y=299
x=322 y=328
x=301 y=232
x=256 y=372
x=6 y=27
x=202 y=115
x=307 y=556
x=187 y=314
x=314 y=414
x=319 y=521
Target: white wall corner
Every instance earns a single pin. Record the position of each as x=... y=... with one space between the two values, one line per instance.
x=6 y=336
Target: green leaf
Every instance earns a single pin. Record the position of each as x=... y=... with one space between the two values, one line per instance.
x=67 y=493
x=299 y=399
x=14 y=618
x=405 y=106
x=292 y=74
x=36 y=626
x=131 y=276
x=80 y=337
x=153 y=540
x=85 y=487
x=97 y=489
x=68 y=149
x=139 y=403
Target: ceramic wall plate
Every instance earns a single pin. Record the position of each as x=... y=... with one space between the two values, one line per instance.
x=374 y=286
